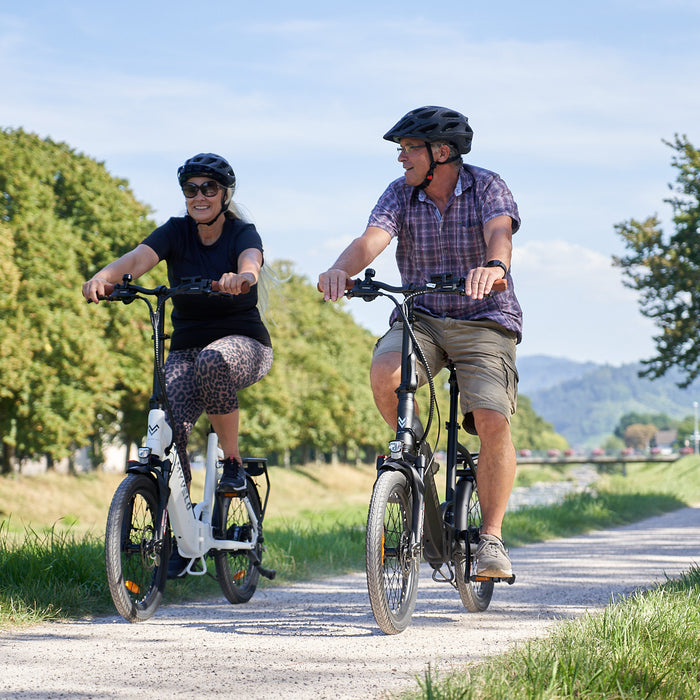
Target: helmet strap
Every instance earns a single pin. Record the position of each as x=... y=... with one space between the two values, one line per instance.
x=433 y=165
x=209 y=223
x=224 y=207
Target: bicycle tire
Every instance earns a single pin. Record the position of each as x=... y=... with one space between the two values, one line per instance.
x=475 y=595
x=392 y=568
x=136 y=562
x=235 y=569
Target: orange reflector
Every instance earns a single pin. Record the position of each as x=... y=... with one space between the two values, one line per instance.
x=239 y=575
x=132 y=587
x=482 y=578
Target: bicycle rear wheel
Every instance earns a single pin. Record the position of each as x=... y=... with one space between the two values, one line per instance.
x=136 y=561
x=475 y=595
x=235 y=570
x=392 y=568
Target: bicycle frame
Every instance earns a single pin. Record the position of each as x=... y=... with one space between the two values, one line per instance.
x=191 y=524
x=432 y=535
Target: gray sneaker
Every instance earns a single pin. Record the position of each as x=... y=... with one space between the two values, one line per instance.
x=492 y=558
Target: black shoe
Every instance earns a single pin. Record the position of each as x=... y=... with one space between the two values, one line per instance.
x=233 y=478
x=177 y=563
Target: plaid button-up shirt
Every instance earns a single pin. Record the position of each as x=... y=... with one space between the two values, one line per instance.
x=430 y=244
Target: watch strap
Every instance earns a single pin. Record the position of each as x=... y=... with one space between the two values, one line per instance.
x=498 y=263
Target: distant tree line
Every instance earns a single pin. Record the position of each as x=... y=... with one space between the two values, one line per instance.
x=73 y=375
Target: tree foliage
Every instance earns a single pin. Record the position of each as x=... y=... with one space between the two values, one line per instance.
x=530 y=431
x=62 y=216
x=665 y=270
x=639 y=435
x=317 y=395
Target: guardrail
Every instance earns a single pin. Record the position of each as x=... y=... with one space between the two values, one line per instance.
x=599 y=459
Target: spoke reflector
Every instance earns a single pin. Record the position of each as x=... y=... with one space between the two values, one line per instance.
x=132 y=587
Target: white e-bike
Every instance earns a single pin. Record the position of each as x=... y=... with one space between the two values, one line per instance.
x=152 y=505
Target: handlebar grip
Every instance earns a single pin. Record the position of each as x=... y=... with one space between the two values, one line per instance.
x=245 y=287
x=500 y=285
x=109 y=288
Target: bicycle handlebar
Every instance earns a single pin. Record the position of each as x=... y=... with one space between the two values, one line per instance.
x=368 y=288
x=127 y=292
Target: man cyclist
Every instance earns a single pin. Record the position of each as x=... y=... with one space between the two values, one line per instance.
x=450 y=217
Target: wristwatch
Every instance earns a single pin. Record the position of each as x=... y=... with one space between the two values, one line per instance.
x=498 y=263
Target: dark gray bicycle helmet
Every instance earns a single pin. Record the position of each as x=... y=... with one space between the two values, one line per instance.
x=215 y=167
x=431 y=124
x=209 y=165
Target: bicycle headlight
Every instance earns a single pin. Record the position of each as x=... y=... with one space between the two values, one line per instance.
x=395 y=447
x=144 y=454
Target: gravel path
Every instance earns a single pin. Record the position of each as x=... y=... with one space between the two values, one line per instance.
x=319 y=640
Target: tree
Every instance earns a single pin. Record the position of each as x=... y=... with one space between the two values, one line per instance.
x=660 y=420
x=317 y=394
x=63 y=216
x=639 y=436
x=666 y=269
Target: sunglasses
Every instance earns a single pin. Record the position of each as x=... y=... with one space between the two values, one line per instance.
x=210 y=188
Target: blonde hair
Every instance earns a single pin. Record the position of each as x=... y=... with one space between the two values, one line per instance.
x=268 y=277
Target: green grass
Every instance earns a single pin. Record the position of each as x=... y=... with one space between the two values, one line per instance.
x=52 y=573
x=644 y=647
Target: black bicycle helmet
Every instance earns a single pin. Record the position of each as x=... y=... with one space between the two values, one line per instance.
x=434 y=124
x=209 y=165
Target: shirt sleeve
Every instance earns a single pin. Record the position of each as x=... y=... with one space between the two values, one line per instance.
x=161 y=239
x=497 y=200
x=248 y=237
x=388 y=212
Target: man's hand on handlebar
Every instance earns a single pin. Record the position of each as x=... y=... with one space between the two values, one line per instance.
x=481 y=281
x=333 y=283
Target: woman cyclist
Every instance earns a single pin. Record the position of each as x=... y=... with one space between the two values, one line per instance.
x=219 y=344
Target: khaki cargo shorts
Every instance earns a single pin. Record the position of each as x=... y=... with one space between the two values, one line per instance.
x=483 y=353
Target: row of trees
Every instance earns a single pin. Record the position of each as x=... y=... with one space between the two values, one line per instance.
x=73 y=375
x=639 y=430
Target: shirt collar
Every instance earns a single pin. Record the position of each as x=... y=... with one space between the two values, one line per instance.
x=464 y=182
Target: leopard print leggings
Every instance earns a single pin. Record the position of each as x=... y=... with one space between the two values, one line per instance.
x=207 y=380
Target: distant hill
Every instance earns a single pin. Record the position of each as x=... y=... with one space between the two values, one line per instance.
x=585 y=401
x=539 y=372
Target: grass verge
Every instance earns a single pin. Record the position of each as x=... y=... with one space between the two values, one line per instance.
x=643 y=647
x=315 y=527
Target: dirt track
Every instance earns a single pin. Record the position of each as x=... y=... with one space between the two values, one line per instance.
x=319 y=640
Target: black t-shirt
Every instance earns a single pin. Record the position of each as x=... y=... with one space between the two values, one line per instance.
x=198 y=319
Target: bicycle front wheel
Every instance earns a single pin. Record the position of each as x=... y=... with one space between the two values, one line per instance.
x=475 y=595
x=136 y=561
x=392 y=568
x=235 y=570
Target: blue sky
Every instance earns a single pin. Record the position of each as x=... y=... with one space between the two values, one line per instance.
x=569 y=103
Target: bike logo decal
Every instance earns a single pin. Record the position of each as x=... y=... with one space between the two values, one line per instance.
x=153 y=429
x=402 y=422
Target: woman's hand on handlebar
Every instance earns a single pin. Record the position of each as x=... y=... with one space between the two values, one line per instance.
x=333 y=283
x=481 y=281
x=97 y=288
x=233 y=283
